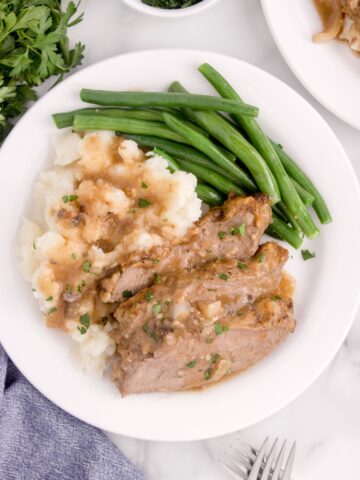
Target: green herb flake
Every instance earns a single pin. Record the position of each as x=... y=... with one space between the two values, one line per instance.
x=149 y=296
x=242 y=266
x=34 y=245
x=156 y=309
x=154 y=336
x=191 y=364
x=207 y=374
x=307 y=255
x=52 y=310
x=156 y=260
x=65 y=198
x=144 y=185
x=240 y=230
x=276 y=298
x=33 y=289
x=143 y=203
x=127 y=294
x=85 y=320
x=211 y=290
x=215 y=357
x=219 y=329
x=82 y=330
x=261 y=257
x=73 y=256
x=157 y=278
x=221 y=235
x=145 y=328
x=68 y=288
x=224 y=276
x=81 y=286
x=86 y=266
x=50 y=298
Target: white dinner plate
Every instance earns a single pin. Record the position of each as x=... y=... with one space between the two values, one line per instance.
x=330 y=71
x=327 y=286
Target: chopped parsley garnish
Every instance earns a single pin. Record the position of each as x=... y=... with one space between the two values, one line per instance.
x=33 y=289
x=156 y=260
x=68 y=288
x=149 y=296
x=191 y=364
x=261 y=257
x=132 y=210
x=86 y=266
x=242 y=266
x=211 y=290
x=52 y=310
x=224 y=276
x=219 y=329
x=85 y=323
x=34 y=245
x=50 y=298
x=73 y=256
x=221 y=235
x=239 y=313
x=240 y=230
x=143 y=203
x=276 y=298
x=157 y=278
x=307 y=255
x=207 y=374
x=144 y=185
x=127 y=294
x=214 y=358
x=156 y=309
x=152 y=334
x=81 y=286
x=69 y=198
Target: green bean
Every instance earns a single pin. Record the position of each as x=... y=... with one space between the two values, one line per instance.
x=66 y=119
x=204 y=192
x=210 y=149
x=288 y=192
x=300 y=176
x=307 y=198
x=219 y=182
x=184 y=152
x=173 y=166
x=125 y=125
x=290 y=217
x=155 y=99
x=280 y=229
x=225 y=133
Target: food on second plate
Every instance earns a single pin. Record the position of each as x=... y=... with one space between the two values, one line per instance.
x=341 y=19
x=151 y=259
x=171 y=4
x=232 y=231
x=168 y=335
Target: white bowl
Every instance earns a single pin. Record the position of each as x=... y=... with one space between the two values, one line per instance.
x=169 y=13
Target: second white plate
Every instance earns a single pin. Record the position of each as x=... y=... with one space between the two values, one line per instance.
x=331 y=71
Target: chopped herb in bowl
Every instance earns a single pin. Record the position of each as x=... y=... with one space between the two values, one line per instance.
x=171 y=4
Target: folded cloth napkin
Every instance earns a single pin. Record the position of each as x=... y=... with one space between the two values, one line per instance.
x=39 y=441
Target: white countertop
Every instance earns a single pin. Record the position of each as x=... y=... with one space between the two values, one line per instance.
x=325 y=420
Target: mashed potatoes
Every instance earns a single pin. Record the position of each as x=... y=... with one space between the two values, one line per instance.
x=103 y=199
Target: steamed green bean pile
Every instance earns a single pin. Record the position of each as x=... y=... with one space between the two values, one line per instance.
x=218 y=139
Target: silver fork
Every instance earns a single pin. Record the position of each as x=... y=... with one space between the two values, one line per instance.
x=250 y=464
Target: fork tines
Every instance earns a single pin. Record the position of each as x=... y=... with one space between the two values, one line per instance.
x=249 y=464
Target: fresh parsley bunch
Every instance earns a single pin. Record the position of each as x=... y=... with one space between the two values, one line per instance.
x=171 y=3
x=33 y=46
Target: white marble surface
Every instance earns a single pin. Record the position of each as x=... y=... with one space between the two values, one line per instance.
x=325 y=421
